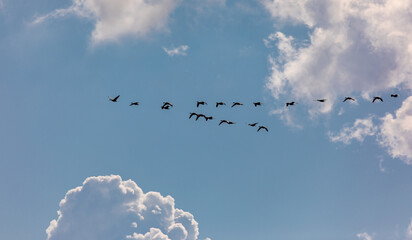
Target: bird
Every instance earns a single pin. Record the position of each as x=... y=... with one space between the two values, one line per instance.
x=253 y=124
x=134 y=104
x=200 y=115
x=225 y=121
x=114 y=99
x=192 y=114
x=200 y=103
x=236 y=104
x=377 y=98
x=208 y=118
x=263 y=127
x=348 y=98
x=257 y=104
x=167 y=105
x=394 y=95
x=321 y=100
x=290 y=104
x=220 y=104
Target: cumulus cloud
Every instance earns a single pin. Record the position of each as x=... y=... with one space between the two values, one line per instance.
x=181 y=50
x=360 y=129
x=107 y=207
x=354 y=47
x=364 y=236
x=396 y=132
x=116 y=19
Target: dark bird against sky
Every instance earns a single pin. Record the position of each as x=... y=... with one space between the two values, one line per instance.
x=237 y=104
x=348 y=98
x=114 y=99
x=263 y=127
x=377 y=98
x=220 y=104
x=225 y=121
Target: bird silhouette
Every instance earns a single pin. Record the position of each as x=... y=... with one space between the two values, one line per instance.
x=200 y=103
x=377 y=98
x=290 y=104
x=200 y=115
x=321 y=100
x=225 y=121
x=236 y=104
x=114 y=99
x=253 y=124
x=208 y=118
x=192 y=114
x=263 y=127
x=257 y=104
x=166 y=105
x=134 y=104
x=220 y=104
x=394 y=95
x=348 y=98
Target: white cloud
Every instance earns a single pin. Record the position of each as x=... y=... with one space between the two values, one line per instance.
x=364 y=236
x=117 y=19
x=355 y=47
x=360 y=129
x=181 y=50
x=107 y=207
x=396 y=132
x=409 y=231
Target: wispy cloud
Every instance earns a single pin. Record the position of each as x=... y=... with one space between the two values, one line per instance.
x=360 y=129
x=178 y=51
x=117 y=19
x=364 y=236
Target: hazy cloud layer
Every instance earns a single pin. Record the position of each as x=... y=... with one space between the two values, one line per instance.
x=354 y=47
x=360 y=129
x=107 y=207
x=116 y=19
x=396 y=132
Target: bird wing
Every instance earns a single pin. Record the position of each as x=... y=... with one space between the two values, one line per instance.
x=116 y=97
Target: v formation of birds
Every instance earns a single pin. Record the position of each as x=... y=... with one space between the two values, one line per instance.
x=168 y=105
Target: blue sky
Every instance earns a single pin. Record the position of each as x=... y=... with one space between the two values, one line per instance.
x=58 y=127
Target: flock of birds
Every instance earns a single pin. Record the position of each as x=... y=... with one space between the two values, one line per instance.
x=168 y=105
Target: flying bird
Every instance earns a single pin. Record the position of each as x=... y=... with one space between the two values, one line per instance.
x=394 y=95
x=257 y=104
x=225 y=121
x=236 y=104
x=220 y=104
x=208 y=118
x=166 y=105
x=134 y=104
x=321 y=100
x=290 y=104
x=192 y=114
x=253 y=124
x=200 y=103
x=348 y=98
x=377 y=98
x=263 y=127
x=200 y=115
x=114 y=99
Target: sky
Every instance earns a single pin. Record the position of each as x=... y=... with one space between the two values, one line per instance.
x=74 y=165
